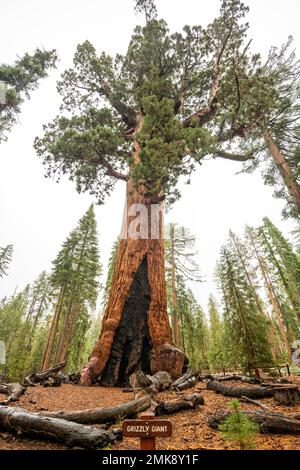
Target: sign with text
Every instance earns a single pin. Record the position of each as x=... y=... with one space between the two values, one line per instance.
x=147 y=428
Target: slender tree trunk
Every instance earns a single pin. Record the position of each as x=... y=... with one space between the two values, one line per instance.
x=53 y=331
x=272 y=295
x=284 y=168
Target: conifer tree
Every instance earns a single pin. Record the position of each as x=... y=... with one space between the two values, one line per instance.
x=247 y=326
x=148 y=118
x=239 y=428
x=195 y=335
x=17 y=81
x=216 y=357
x=180 y=263
x=75 y=280
x=272 y=287
x=5 y=259
x=249 y=270
x=14 y=333
x=286 y=261
x=111 y=266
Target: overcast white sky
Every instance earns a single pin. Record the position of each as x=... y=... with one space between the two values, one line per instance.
x=36 y=214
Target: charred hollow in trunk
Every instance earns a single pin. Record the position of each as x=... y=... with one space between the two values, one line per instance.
x=131 y=349
x=140 y=256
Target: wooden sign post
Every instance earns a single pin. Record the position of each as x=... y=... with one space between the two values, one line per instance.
x=147 y=428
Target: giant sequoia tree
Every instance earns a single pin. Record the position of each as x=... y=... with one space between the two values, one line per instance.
x=147 y=118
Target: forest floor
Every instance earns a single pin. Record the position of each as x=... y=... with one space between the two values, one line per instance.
x=190 y=428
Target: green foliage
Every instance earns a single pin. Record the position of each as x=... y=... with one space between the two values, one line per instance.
x=284 y=264
x=194 y=328
x=111 y=267
x=245 y=320
x=180 y=250
x=239 y=428
x=174 y=97
x=74 y=282
x=147 y=7
x=20 y=80
x=216 y=356
x=26 y=318
x=5 y=259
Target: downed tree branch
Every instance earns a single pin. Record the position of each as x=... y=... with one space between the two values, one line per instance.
x=242 y=378
x=39 y=377
x=72 y=434
x=185 y=403
x=102 y=415
x=190 y=373
x=14 y=391
x=189 y=383
x=188 y=380
x=257 y=403
x=274 y=423
x=249 y=392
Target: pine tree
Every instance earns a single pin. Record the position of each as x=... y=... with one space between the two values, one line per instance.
x=111 y=266
x=247 y=325
x=75 y=280
x=180 y=263
x=18 y=81
x=216 y=357
x=250 y=272
x=272 y=288
x=5 y=259
x=194 y=331
x=14 y=333
x=239 y=428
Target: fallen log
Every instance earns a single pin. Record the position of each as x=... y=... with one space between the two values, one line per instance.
x=275 y=423
x=227 y=378
x=102 y=415
x=188 y=380
x=185 y=403
x=189 y=383
x=241 y=378
x=287 y=395
x=19 y=421
x=40 y=377
x=14 y=391
x=249 y=392
x=189 y=374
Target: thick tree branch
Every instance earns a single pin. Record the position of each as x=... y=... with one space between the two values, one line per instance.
x=204 y=115
x=236 y=157
x=231 y=133
x=110 y=171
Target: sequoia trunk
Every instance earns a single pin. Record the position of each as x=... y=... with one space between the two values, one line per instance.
x=136 y=333
x=284 y=169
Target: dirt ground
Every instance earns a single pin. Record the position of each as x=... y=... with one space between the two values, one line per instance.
x=190 y=428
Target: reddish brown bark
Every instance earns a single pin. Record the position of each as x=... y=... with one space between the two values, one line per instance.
x=139 y=267
x=176 y=326
x=284 y=169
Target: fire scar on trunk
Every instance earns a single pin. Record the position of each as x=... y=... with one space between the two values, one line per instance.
x=131 y=349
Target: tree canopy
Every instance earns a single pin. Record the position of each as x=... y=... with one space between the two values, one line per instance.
x=176 y=98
